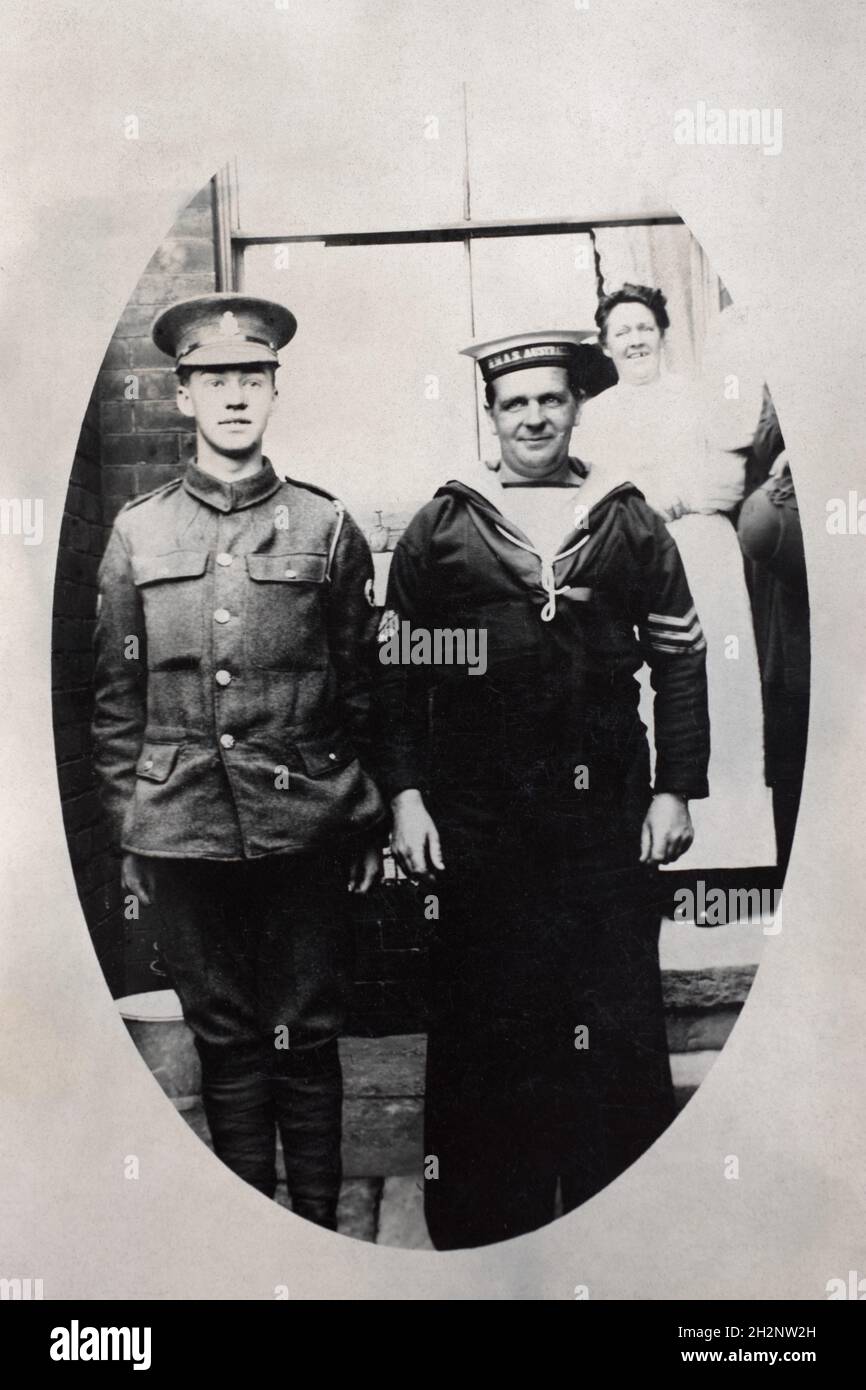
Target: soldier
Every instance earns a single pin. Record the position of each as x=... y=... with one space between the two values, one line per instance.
x=523 y=794
x=234 y=644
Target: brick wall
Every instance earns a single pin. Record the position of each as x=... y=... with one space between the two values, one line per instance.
x=145 y=439
x=391 y=943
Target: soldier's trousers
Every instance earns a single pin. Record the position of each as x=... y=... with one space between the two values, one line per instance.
x=258 y=952
x=547 y=1054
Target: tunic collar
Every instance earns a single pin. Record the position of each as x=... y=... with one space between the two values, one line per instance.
x=231 y=497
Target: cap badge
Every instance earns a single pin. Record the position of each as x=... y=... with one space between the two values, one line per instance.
x=229 y=326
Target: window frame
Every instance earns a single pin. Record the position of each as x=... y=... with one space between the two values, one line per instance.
x=232 y=240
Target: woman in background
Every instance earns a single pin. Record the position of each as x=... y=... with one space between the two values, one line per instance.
x=660 y=423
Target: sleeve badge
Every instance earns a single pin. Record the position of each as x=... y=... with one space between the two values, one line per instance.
x=389 y=625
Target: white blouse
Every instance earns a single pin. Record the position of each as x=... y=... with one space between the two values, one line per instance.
x=658 y=432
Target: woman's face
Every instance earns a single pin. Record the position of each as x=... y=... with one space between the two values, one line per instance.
x=633 y=342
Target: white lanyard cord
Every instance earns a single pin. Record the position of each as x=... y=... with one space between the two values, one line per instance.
x=547 y=576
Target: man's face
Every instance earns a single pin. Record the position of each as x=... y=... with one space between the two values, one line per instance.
x=633 y=342
x=533 y=415
x=231 y=406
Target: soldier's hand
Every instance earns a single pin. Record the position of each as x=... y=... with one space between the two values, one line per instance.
x=667 y=830
x=137 y=879
x=414 y=837
x=365 y=868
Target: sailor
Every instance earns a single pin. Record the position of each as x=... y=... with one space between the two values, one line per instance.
x=522 y=797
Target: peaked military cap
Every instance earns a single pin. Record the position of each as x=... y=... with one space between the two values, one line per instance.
x=223 y=330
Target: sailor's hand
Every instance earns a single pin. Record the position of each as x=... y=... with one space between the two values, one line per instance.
x=137 y=879
x=414 y=837
x=667 y=830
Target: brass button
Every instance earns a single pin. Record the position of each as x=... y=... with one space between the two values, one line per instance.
x=147 y=765
x=291 y=574
x=223 y=677
x=333 y=757
x=222 y=615
x=227 y=740
x=223 y=558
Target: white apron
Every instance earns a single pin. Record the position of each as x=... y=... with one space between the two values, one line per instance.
x=660 y=429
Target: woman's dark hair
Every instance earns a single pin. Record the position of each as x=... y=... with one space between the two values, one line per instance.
x=632 y=294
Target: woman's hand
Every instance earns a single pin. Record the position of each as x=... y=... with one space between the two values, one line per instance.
x=674 y=509
x=414 y=838
x=722 y=485
x=718 y=487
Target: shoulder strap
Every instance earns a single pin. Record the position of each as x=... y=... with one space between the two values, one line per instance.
x=143 y=497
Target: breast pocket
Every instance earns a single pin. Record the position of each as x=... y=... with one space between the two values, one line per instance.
x=321 y=756
x=172 y=590
x=286 y=611
x=156 y=761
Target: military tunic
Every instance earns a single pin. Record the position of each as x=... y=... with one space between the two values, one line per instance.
x=234 y=648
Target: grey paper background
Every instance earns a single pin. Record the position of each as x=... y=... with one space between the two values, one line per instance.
x=571 y=95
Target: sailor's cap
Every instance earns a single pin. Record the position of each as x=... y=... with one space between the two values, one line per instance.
x=553 y=347
x=223 y=330
x=544 y=348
